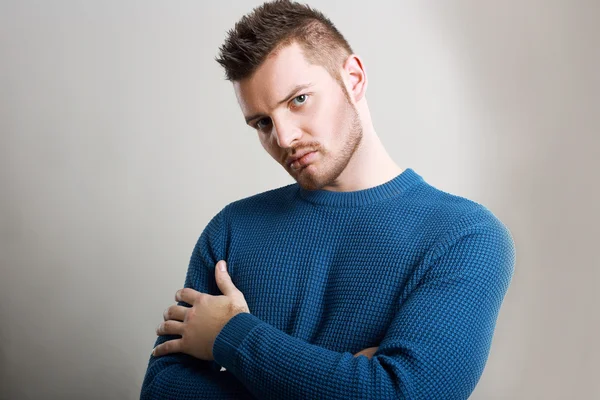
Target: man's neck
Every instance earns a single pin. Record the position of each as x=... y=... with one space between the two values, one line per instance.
x=370 y=166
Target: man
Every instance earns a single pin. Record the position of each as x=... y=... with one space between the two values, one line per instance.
x=358 y=257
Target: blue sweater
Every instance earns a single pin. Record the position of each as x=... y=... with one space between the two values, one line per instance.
x=404 y=266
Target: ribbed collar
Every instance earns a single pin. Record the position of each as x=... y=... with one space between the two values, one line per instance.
x=392 y=188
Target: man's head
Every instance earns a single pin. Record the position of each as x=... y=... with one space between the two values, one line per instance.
x=297 y=82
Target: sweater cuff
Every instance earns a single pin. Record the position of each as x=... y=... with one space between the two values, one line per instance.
x=229 y=340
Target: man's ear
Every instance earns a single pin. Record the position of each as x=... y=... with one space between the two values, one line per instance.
x=356 y=75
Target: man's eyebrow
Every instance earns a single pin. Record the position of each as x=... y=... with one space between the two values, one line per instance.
x=296 y=89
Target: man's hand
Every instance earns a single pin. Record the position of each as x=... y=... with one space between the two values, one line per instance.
x=200 y=325
x=367 y=352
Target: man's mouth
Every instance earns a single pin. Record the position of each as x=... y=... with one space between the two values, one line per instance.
x=303 y=161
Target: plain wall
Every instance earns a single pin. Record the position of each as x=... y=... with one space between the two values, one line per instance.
x=120 y=139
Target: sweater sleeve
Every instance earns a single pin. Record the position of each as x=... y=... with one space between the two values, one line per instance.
x=435 y=348
x=181 y=376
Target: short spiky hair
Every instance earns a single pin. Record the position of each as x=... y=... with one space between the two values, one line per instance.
x=274 y=25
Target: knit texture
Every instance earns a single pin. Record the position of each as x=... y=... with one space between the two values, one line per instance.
x=404 y=266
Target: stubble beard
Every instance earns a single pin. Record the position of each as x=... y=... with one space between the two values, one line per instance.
x=329 y=172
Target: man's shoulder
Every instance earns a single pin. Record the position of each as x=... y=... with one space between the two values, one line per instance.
x=442 y=204
x=452 y=212
x=448 y=219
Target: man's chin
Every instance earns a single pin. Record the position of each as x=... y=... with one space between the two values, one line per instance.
x=307 y=179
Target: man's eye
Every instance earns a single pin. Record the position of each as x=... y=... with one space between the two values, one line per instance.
x=258 y=124
x=302 y=99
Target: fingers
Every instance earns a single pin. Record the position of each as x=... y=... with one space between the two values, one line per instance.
x=187 y=295
x=170 y=327
x=171 y=346
x=175 y=312
x=223 y=279
x=368 y=352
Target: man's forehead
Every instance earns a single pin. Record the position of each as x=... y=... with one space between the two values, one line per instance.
x=283 y=69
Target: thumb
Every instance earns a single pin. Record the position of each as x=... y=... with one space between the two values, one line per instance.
x=224 y=279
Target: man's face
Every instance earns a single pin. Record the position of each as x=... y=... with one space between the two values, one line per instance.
x=297 y=108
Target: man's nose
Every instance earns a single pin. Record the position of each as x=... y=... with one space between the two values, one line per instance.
x=286 y=133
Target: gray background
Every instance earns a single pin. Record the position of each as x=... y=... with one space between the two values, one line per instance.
x=120 y=139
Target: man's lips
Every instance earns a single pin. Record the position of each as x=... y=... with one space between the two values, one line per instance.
x=302 y=160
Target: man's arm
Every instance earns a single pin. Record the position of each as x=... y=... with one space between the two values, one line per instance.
x=435 y=348
x=180 y=375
